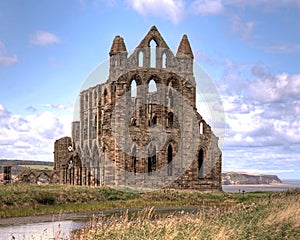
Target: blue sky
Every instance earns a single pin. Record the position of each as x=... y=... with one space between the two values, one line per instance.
x=250 y=49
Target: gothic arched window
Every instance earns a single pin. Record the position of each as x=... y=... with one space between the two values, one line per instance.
x=105 y=96
x=201 y=128
x=133 y=156
x=154 y=121
x=152 y=86
x=171 y=98
x=200 y=164
x=164 y=60
x=95 y=97
x=153 y=45
x=141 y=59
x=170 y=158
x=133 y=88
x=151 y=159
x=170 y=119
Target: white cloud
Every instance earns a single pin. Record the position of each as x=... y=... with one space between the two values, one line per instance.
x=31 y=136
x=269 y=160
x=265 y=110
x=268 y=88
x=262 y=119
x=269 y=4
x=43 y=38
x=207 y=7
x=31 y=109
x=284 y=48
x=244 y=28
x=58 y=106
x=4 y=59
x=46 y=125
x=172 y=10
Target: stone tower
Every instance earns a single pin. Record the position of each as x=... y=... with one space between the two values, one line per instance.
x=141 y=127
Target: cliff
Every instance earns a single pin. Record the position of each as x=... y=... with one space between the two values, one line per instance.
x=231 y=178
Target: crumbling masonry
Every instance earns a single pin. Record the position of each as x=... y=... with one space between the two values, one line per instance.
x=141 y=127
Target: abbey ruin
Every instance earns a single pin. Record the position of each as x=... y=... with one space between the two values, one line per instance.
x=141 y=127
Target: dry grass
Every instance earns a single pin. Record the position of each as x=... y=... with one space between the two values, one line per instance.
x=288 y=212
x=274 y=217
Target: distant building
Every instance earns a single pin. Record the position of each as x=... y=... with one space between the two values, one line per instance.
x=7 y=178
x=141 y=127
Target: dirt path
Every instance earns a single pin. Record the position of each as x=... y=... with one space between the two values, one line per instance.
x=85 y=216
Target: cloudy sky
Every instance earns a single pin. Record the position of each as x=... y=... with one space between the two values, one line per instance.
x=250 y=49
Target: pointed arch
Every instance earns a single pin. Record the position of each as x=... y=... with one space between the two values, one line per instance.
x=43 y=178
x=133 y=88
x=153 y=45
x=31 y=178
x=200 y=164
x=201 y=128
x=151 y=159
x=154 y=120
x=170 y=160
x=175 y=83
x=170 y=98
x=141 y=59
x=133 y=156
x=105 y=97
x=170 y=119
x=95 y=97
x=152 y=86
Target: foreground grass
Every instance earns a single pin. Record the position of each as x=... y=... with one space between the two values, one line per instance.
x=274 y=217
x=28 y=200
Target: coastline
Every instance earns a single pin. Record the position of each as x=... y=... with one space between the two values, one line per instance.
x=285 y=185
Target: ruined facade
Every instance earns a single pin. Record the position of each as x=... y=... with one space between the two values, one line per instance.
x=35 y=176
x=141 y=127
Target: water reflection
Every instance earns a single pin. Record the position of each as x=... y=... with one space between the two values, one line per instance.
x=44 y=231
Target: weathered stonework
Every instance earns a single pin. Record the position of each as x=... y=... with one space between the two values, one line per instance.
x=34 y=176
x=148 y=138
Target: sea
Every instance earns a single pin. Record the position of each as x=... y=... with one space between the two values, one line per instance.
x=285 y=185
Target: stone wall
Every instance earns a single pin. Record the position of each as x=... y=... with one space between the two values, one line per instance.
x=130 y=134
x=34 y=176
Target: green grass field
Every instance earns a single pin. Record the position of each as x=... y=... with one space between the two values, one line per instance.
x=26 y=200
x=37 y=167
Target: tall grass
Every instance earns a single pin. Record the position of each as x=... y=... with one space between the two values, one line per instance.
x=274 y=216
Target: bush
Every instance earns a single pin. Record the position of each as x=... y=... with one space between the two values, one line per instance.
x=45 y=198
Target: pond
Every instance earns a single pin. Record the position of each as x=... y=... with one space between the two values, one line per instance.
x=16 y=229
x=45 y=230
